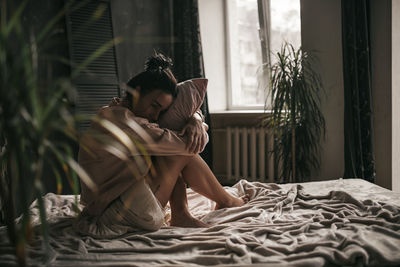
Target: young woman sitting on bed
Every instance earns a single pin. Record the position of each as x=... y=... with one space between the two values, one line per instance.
x=126 y=195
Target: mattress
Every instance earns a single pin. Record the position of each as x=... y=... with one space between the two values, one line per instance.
x=338 y=222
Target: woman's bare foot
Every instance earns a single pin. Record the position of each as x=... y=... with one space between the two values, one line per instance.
x=234 y=202
x=186 y=220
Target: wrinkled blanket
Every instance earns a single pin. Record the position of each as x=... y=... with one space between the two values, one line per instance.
x=340 y=222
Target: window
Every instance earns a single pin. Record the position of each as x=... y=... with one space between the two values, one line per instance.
x=255 y=27
x=251 y=30
x=244 y=54
x=284 y=24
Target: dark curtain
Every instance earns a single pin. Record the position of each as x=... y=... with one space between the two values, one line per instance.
x=188 y=55
x=358 y=113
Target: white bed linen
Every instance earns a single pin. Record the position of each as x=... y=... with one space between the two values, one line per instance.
x=340 y=222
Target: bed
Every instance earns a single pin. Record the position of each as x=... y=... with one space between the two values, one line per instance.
x=338 y=222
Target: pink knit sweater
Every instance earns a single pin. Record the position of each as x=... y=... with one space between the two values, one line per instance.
x=117 y=157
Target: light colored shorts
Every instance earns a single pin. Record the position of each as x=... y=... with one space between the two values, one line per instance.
x=136 y=209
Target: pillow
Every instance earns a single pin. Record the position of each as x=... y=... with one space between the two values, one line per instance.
x=189 y=99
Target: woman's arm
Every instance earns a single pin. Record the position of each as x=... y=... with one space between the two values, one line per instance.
x=196 y=132
x=152 y=139
x=167 y=142
x=191 y=140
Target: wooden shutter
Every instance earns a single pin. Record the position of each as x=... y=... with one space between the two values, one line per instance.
x=90 y=28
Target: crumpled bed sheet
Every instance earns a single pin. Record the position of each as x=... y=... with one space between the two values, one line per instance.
x=340 y=222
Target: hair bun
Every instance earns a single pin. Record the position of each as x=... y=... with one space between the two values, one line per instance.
x=157 y=62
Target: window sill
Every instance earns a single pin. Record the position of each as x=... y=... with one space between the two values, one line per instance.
x=237 y=118
x=239 y=111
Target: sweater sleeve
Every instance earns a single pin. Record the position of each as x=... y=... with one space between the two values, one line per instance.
x=148 y=137
x=163 y=142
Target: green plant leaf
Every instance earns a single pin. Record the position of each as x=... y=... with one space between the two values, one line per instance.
x=82 y=174
x=295 y=89
x=14 y=21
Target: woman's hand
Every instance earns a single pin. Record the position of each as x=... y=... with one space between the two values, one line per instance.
x=196 y=132
x=115 y=101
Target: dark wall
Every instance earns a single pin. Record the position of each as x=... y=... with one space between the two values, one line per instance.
x=34 y=19
x=38 y=14
x=51 y=49
x=145 y=26
x=381 y=60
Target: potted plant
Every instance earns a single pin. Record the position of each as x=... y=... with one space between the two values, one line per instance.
x=296 y=119
x=37 y=128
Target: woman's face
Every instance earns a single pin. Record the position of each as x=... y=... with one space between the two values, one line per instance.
x=152 y=104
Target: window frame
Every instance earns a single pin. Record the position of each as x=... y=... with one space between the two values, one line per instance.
x=231 y=43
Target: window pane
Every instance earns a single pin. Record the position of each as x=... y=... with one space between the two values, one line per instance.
x=285 y=24
x=249 y=55
x=282 y=24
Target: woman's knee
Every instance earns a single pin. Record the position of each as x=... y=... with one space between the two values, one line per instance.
x=179 y=157
x=171 y=162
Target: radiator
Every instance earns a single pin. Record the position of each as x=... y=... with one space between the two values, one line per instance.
x=248 y=154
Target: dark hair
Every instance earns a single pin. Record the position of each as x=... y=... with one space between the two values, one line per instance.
x=157 y=74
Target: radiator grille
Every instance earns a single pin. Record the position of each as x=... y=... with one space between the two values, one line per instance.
x=248 y=154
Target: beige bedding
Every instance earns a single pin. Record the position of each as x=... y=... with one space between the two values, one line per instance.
x=339 y=222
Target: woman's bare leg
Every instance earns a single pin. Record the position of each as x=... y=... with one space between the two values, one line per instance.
x=180 y=215
x=166 y=186
x=202 y=180
x=168 y=169
x=197 y=174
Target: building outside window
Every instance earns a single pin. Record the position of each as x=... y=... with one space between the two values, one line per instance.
x=284 y=23
x=253 y=30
